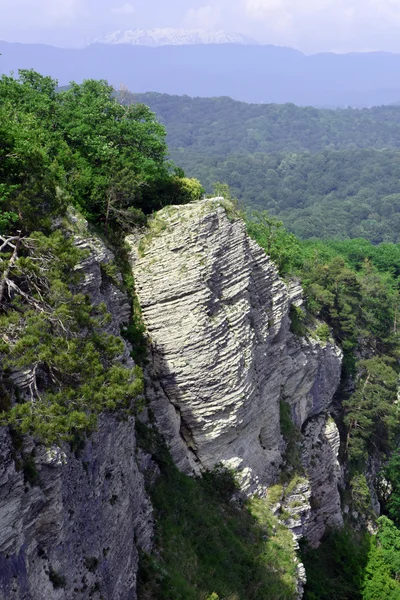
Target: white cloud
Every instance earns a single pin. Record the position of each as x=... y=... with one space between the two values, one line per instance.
x=46 y=13
x=61 y=10
x=204 y=17
x=257 y=8
x=326 y=24
x=125 y=9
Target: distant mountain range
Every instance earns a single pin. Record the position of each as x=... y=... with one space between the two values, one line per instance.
x=173 y=37
x=251 y=73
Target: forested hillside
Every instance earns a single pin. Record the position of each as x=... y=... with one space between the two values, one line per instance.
x=342 y=194
x=325 y=173
x=80 y=153
x=222 y=126
x=354 y=287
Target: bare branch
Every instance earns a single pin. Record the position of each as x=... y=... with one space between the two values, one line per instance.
x=11 y=262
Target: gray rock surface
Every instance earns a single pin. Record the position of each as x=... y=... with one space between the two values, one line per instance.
x=222 y=354
x=321 y=444
x=222 y=358
x=84 y=520
x=74 y=533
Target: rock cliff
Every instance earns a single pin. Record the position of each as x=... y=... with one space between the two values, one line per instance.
x=223 y=358
x=71 y=523
x=222 y=363
x=74 y=534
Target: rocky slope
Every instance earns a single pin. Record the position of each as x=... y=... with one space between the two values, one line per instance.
x=71 y=523
x=223 y=358
x=223 y=362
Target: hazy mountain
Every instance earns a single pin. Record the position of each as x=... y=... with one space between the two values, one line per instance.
x=173 y=37
x=260 y=74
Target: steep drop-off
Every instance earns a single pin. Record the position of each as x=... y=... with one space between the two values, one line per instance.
x=71 y=522
x=224 y=361
x=224 y=372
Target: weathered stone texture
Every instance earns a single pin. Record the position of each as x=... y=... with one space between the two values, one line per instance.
x=84 y=520
x=223 y=355
x=89 y=514
x=321 y=442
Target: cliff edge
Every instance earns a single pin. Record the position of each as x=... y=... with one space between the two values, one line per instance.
x=224 y=361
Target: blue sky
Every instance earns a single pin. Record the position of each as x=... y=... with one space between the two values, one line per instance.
x=309 y=25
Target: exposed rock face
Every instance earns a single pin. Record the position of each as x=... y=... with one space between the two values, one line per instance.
x=83 y=521
x=75 y=532
x=320 y=451
x=222 y=360
x=223 y=356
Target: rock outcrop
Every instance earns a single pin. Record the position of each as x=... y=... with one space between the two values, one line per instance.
x=71 y=523
x=320 y=449
x=75 y=533
x=223 y=357
x=223 y=362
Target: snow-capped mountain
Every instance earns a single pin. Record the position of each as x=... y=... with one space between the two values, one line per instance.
x=173 y=37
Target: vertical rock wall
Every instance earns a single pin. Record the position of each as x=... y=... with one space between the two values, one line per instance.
x=73 y=531
x=223 y=356
x=75 y=534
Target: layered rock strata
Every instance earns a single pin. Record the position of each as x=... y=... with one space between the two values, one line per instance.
x=320 y=449
x=223 y=357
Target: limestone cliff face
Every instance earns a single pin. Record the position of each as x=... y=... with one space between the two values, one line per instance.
x=82 y=522
x=222 y=359
x=74 y=532
x=222 y=354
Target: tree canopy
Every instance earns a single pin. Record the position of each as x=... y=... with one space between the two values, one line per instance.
x=77 y=147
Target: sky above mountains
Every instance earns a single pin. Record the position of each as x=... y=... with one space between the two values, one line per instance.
x=309 y=25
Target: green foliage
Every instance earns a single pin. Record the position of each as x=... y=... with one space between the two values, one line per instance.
x=222 y=126
x=292 y=436
x=91 y=563
x=390 y=494
x=76 y=146
x=382 y=571
x=324 y=173
x=58 y=580
x=209 y=546
x=354 y=288
x=335 y=570
x=31 y=474
x=63 y=339
x=81 y=145
x=360 y=494
x=279 y=244
x=187 y=190
x=372 y=414
x=297 y=320
x=340 y=195
x=323 y=332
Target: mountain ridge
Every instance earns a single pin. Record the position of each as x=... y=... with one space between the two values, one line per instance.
x=173 y=37
x=255 y=74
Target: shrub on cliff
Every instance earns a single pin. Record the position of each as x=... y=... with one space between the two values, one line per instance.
x=81 y=145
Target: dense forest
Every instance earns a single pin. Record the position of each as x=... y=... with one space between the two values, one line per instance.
x=79 y=152
x=324 y=173
x=342 y=194
x=222 y=126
